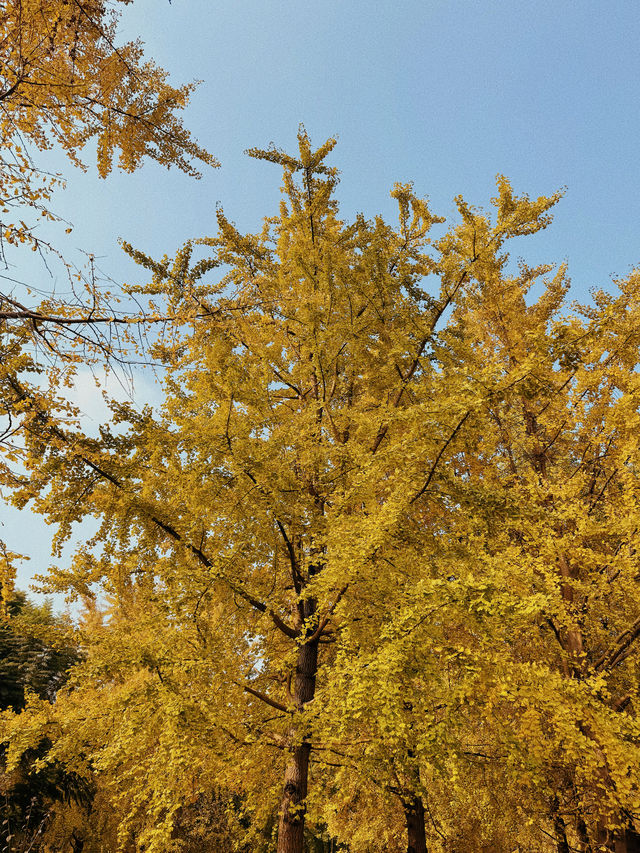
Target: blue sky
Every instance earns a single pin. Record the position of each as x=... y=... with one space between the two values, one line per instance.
x=445 y=93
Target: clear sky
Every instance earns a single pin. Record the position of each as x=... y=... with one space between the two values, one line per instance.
x=446 y=93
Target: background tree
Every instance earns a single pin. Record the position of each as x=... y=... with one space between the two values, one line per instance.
x=540 y=498
x=36 y=652
x=66 y=81
x=555 y=510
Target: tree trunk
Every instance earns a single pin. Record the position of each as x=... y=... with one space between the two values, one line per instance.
x=292 y=805
x=629 y=843
x=416 y=835
x=573 y=641
x=583 y=836
x=560 y=828
x=77 y=843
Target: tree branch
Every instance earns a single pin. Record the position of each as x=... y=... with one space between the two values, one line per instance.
x=439 y=457
x=295 y=572
x=416 y=361
x=618 y=651
x=8 y=92
x=324 y=622
x=264 y=698
x=165 y=526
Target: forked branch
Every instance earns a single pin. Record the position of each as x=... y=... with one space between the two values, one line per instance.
x=620 y=648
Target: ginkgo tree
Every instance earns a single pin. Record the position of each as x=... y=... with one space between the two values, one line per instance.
x=299 y=499
x=538 y=638
x=66 y=81
x=553 y=505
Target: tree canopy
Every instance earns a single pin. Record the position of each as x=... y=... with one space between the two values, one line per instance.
x=367 y=578
x=67 y=82
x=370 y=569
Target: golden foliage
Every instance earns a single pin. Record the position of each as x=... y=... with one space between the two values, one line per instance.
x=374 y=559
x=66 y=81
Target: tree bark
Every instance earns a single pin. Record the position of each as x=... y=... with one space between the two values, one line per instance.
x=583 y=836
x=416 y=834
x=77 y=843
x=560 y=828
x=629 y=843
x=292 y=805
x=573 y=640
